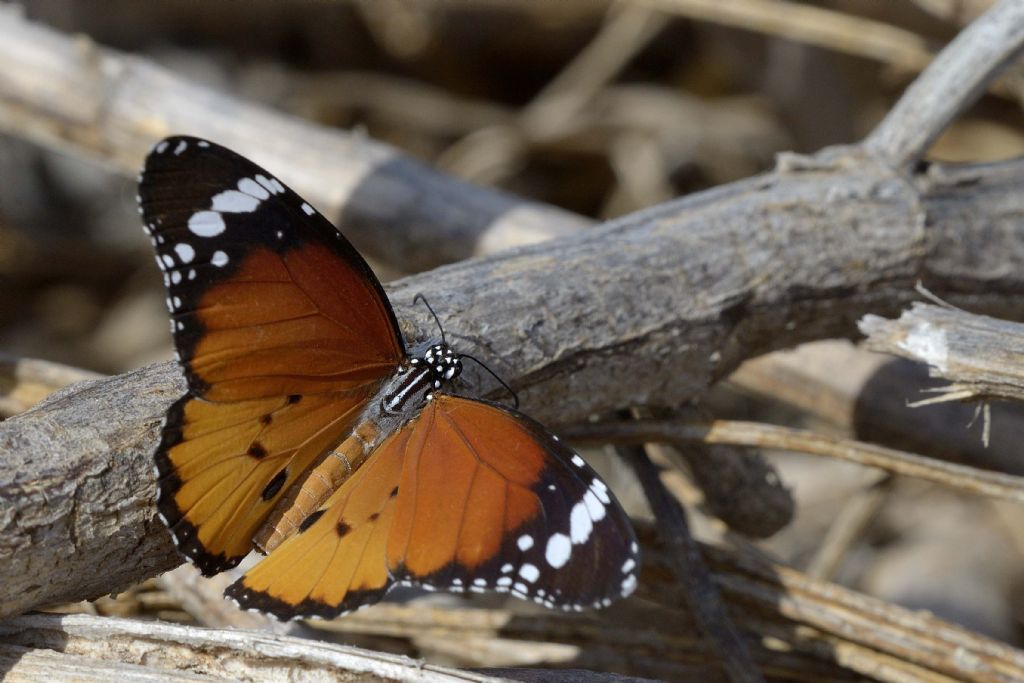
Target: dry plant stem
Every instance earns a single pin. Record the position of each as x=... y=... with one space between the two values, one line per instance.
x=727 y=274
x=697 y=584
x=738 y=433
x=83 y=646
x=72 y=95
x=915 y=637
x=818 y=26
x=950 y=84
x=25 y=381
x=847 y=528
x=980 y=356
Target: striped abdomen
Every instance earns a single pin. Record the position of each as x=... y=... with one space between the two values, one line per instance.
x=399 y=399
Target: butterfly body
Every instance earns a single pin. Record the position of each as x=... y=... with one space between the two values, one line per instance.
x=397 y=402
x=310 y=432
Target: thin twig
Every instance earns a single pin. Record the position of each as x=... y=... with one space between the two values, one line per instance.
x=739 y=433
x=950 y=84
x=701 y=593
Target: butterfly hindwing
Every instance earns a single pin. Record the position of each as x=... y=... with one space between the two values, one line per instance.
x=468 y=495
x=282 y=330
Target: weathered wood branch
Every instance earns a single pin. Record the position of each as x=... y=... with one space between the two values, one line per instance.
x=73 y=95
x=650 y=309
x=979 y=355
x=73 y=647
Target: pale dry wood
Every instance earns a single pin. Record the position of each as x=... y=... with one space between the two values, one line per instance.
x=26 y=381
x=90 y=647
x=727 y=274
x=73 y=95
x=819 y=26
x=982 y=357
x=739 y=433
x=950 y=84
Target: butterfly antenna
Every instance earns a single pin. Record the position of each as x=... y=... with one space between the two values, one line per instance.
x=515 y=396
x=420 y=297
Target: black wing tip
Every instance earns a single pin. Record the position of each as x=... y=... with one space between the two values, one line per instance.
x=186 y=540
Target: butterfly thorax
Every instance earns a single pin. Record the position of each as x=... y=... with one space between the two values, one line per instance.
x=436 y=367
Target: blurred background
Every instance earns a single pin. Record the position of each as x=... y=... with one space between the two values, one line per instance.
x=599 y=108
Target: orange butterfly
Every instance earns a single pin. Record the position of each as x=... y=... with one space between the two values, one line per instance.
x=310 y=433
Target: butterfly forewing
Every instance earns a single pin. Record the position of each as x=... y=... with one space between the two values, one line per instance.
x=466 y=496
x=283 y=332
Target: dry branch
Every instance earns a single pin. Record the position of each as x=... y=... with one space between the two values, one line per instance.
x=979 y=355
x=793 y=255
x=737 y=433
x=99 y=648
x=72 y=95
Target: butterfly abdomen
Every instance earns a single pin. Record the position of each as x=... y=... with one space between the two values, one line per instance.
x=401 y=398
x=303 y=500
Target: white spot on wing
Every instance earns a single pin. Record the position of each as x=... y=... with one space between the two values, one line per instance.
x=628 y=565
x=628 y=585
x=233 y=201
x=529 y=572
x=203 y=143
x=252 y=188
x=176 y=277
x=558 y=550
x=206 y=223
x=525 y=542
x=185 y=252
x=182 y=146
x=161 y=147
x=168 y=261
x=594 y=506
x=219 y=258
x=307 y=208
x=580 y=523
x=577 y=460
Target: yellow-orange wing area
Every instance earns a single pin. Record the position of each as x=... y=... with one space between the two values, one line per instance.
x=468 y=496
x=281 y=328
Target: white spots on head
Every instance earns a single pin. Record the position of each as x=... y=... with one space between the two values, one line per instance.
x=206 y=223
x=176 y=277
x=628 y=585
x=167 y=260
x=529 y=572
x=272 y=184
x=233 y=201
x=307 y=208
x=219 y=259
x=506 y=568
x=525 y=542
x=203 y=143
x=558 y=550
x=577 y=460
x=185 y=252
x=628 y=565
x=161 y=147
x=182 y=146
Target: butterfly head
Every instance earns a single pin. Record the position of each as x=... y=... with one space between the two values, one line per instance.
x=442 y=362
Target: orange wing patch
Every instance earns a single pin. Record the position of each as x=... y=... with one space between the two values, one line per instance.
x=223 y=466
x=336 y=562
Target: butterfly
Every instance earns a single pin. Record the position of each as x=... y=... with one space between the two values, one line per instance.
x=310 y=433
